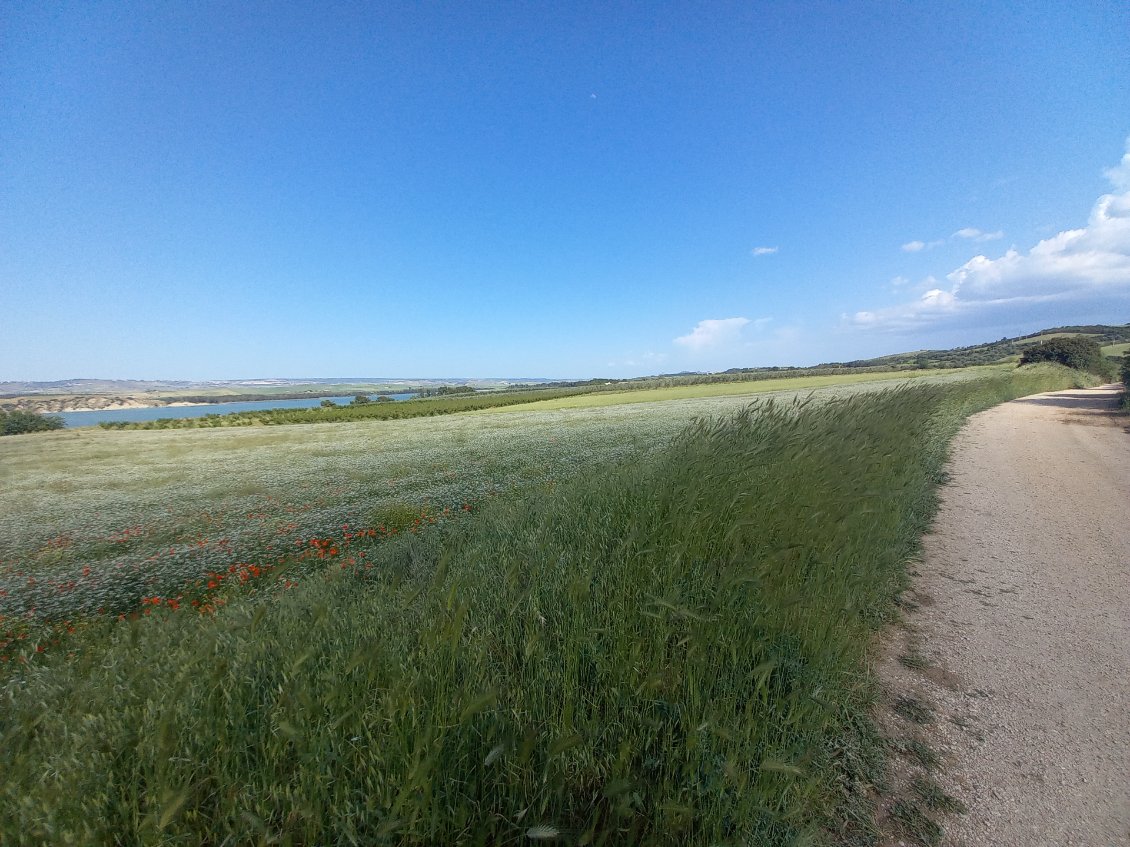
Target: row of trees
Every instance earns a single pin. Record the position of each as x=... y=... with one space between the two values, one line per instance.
x=359 y=400
x=446 y=390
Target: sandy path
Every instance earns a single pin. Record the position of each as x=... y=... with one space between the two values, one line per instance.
x=1024 y=622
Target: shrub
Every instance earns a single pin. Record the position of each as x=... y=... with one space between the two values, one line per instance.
x=447 y=390
x=1077 y=351
x=18 y=422
x=1125 y=374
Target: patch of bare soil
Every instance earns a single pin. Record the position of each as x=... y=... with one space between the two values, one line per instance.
x=1012 y=664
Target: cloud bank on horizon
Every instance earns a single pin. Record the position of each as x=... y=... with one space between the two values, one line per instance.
x=1091 y=263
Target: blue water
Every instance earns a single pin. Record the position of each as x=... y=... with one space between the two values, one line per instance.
x=73 y=419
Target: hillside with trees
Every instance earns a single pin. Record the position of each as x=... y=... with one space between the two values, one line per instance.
x=992 y=352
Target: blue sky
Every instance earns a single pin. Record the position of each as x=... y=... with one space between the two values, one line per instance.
x=217 y=190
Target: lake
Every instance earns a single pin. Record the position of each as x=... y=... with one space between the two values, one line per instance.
x=73 y=419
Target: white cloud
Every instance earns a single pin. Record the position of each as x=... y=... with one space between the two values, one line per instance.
x=974 y=234
x=764 y=251
x=1073 y=268
x=1119 y=175
x=969 y=233
x=918 y=246
x=933 y=304
x=648 y=359
x=1072 y=263
x=713 y=333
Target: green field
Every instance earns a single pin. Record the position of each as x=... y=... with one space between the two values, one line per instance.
x=739 y=389
x=1040 y=339
x=1116 y=349
x=68 y=492
x=632 y=623
x=185 y=501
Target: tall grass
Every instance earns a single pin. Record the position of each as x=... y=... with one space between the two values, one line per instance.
x=667 y=652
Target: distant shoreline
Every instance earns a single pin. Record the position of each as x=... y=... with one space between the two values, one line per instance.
x=120 y=407
x=102 y=403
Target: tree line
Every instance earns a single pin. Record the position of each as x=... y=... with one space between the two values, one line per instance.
x=19 y=422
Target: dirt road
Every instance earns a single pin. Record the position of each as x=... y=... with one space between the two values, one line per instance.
x=1018 y=650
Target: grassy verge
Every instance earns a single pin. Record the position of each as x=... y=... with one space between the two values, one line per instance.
x=662 y=652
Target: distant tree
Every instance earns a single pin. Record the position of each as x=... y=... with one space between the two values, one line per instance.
x=17 y=422
x=1076 y=351
x=445 y=390
x=360 y=400
x=328 y=404
x=384 y=398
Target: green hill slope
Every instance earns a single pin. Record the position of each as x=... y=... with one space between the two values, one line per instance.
x=1114 y=340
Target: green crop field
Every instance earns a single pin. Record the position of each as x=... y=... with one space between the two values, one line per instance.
x=629 y=623
x=1040 y=339
x=173 y=504
x=1116 y=349
x=739 y=389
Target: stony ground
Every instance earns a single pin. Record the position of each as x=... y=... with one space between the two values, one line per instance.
x=1013 y=663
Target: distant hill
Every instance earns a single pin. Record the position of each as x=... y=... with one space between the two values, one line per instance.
x=72 y=394
x=225 y=388
x=78 y=394
x=1111 y=338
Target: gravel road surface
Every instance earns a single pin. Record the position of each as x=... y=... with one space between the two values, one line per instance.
x=1021 y=612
